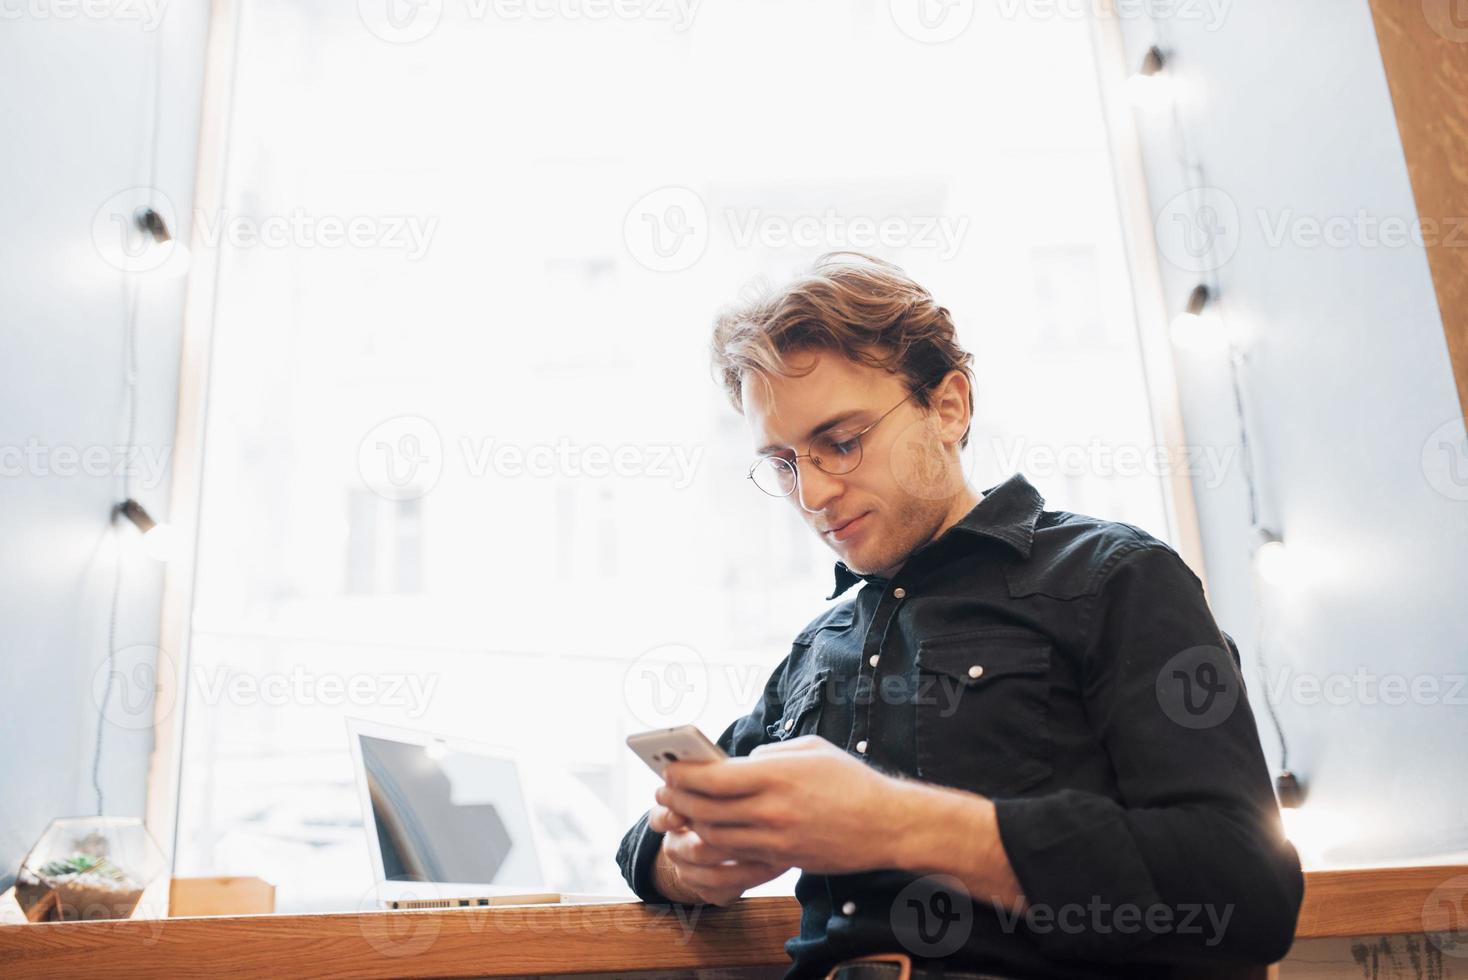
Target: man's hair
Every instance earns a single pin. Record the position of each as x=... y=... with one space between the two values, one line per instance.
x=867 y=310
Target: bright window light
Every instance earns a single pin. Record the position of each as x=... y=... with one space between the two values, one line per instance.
x=467 y=470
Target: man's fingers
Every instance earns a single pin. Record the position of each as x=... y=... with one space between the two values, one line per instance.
x=726 y=877
x=710 y=871
x=661 y=820
x=731 y=777
x=745 y=844
x=710 y=809
x=687 y=848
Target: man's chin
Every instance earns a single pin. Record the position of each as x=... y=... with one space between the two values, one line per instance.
x=869 y=558
x=859 y=561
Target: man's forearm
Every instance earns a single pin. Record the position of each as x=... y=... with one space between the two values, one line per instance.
x=947 y=831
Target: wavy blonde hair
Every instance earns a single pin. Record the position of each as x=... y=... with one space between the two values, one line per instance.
x=861 y=307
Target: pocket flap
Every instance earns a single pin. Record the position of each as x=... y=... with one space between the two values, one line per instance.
x=838 y=618
x=977 y=656
x=806 y=697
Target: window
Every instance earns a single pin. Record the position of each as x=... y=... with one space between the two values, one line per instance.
x=384 y=544
x=546 y=539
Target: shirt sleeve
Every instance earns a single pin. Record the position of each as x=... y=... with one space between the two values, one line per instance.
x=638 y=852
x=1191 y=863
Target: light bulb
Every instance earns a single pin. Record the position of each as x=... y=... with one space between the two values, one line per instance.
x=1189 y=331
x=175 y=263
x=163 y=542
x=1316 y=831
x=162 y=255
x=160 y=541
x=1146 y=91
x=1148 y=88
x=1273 y=562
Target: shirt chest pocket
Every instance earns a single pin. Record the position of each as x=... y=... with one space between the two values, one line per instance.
x=802 y=709
x=982 y=711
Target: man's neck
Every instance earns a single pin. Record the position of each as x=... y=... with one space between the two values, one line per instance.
x=964 y=502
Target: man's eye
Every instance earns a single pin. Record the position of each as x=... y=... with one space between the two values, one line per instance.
x=844 y=447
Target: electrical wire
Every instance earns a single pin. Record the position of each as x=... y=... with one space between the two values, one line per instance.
x=1196 y=182
x=130 y=349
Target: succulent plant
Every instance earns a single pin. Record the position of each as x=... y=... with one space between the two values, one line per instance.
x=82 y=864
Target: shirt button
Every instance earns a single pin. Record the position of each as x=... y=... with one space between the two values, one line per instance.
x=873 y=659
x=899 y=593
x=848 y=909
x=976 y=671
x=862 y=748
x=790 y=722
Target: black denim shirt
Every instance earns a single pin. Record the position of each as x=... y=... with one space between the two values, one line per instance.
x=1069 y=669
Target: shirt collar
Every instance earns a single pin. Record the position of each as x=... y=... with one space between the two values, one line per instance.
x=1007 y=514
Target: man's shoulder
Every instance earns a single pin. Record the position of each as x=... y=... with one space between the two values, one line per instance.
x=1073 y=554
x=1065 y=529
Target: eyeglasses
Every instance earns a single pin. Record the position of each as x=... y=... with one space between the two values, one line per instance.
x=778 y=476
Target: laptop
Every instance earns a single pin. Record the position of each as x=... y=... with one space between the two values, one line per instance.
x=448 y=824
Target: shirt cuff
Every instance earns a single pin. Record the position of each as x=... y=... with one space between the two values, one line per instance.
x=637 y=857
x=1077 y=865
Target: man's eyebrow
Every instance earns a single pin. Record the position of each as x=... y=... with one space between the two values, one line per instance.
x=830 y=423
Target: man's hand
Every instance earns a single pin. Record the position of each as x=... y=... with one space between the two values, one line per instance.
x=803 y=802
x=806 y=803
x=690 y=870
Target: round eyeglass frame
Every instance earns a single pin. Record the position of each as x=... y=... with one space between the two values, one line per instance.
x=791 y=464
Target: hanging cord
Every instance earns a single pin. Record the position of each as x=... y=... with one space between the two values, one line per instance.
x=1195 y=179
x=1246 y=451
x=130 y=351
x=130 y=345
x=1284 y=749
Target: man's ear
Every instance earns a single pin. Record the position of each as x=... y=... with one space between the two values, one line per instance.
x=949 y=404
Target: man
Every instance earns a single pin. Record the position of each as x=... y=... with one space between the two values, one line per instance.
x=1021 y=749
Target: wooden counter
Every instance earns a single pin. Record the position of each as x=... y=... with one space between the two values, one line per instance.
x=611 y=938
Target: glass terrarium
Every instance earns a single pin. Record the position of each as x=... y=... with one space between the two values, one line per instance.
x=87 y=868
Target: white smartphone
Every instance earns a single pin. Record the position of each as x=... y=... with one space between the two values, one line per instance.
x=685 y=743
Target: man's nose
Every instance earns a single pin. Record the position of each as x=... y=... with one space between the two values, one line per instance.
x=815 y=488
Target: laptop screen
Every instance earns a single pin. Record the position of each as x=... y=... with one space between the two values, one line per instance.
x=447 y=815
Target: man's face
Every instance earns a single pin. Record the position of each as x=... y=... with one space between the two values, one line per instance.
x=899 y=496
